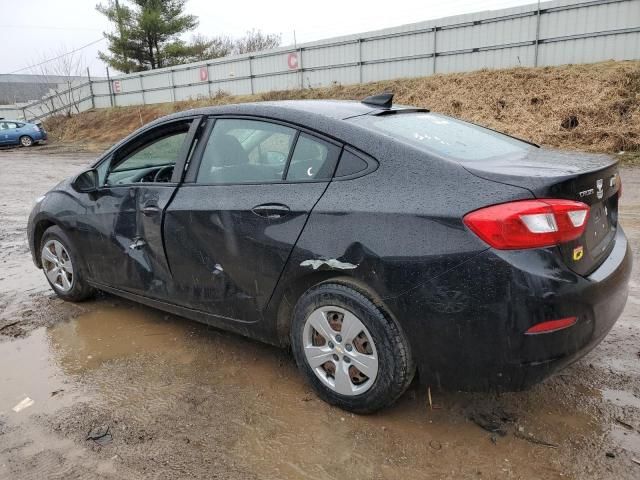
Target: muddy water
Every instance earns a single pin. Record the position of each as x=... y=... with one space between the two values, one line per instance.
x=154 y=377
x=182 y=400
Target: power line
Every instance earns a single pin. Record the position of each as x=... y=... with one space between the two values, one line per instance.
x=47 y=27
x=58 y=57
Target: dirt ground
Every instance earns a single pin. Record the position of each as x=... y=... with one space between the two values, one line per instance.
x=182 y=400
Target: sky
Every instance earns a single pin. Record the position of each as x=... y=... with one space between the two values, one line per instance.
x=38 y=30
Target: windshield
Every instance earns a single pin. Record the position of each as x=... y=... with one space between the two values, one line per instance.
x=444 y=135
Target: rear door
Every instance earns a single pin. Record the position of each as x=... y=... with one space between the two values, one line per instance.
x=232 y=224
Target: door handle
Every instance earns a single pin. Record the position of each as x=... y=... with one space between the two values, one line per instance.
x=149 y=210
x=271 y=210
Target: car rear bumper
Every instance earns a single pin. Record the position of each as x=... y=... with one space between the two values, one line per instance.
x=478 y=342
x=40 y=136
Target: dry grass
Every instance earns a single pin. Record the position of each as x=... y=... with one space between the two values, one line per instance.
x=585 y=107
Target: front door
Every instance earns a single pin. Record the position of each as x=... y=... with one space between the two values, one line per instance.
x=123 y=242
x=229 y=231
x=8 y=133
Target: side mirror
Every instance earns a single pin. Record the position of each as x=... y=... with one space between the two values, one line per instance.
x=86 y=182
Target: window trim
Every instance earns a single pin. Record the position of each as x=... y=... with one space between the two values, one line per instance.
x=292 y=150
x=196 y=160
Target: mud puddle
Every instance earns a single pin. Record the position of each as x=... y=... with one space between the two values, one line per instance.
x=172 y=392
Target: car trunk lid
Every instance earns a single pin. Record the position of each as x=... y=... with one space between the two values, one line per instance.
x=588 y=178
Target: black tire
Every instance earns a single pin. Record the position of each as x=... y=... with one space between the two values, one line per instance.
x=396 y=366
x=26 y=141
x=80 y=289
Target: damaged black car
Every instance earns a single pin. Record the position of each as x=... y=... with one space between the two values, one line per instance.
x=378 y=242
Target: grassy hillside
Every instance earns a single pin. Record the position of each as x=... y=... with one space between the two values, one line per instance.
x=585 y=107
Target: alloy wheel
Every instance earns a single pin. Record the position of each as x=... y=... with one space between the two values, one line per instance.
x=340 y=350
x=57 y=265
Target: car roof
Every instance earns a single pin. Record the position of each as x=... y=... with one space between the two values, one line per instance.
x=334 y=109
x=325 y=116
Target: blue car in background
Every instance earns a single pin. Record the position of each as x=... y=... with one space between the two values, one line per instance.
x=14 y=132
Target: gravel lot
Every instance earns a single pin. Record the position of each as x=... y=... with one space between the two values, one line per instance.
x=168 y=398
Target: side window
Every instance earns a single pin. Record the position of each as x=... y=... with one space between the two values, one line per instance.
x=350 y=164
x=313 y=159
x=3 y=125
x=245 y=151
x=153 y=161
x=10 y=125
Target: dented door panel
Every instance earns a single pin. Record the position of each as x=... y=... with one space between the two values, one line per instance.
x=226 y=253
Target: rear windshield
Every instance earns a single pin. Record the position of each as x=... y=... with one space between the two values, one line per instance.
x=444 y=135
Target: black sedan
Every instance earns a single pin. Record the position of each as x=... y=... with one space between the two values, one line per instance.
x=374 y=240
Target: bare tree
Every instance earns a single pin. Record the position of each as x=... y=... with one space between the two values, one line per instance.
x=256 y=40
x=60 y=71
x=202 y=48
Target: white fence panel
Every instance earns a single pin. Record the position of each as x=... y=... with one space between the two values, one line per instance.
x=161 y=80
x=158 y=96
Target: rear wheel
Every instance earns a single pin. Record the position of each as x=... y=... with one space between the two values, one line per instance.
x=353 y=354
x=26 y=141
x=61 y=266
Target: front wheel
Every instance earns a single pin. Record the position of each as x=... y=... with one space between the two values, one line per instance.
x=26 y=141
x=61 y=266
x=354 y=355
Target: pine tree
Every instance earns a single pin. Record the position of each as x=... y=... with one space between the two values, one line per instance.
x=147 y=32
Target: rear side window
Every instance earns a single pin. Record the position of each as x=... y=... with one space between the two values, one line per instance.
x=245 y=151
x=313 y=159
x=350 y=164
x=445 y=136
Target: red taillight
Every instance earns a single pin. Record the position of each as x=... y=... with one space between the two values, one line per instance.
x=551 y=325
x=529 y=223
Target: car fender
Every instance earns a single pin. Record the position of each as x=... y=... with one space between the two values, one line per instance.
x=59 y=207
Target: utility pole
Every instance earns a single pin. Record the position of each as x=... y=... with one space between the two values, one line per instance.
x=535 y=58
